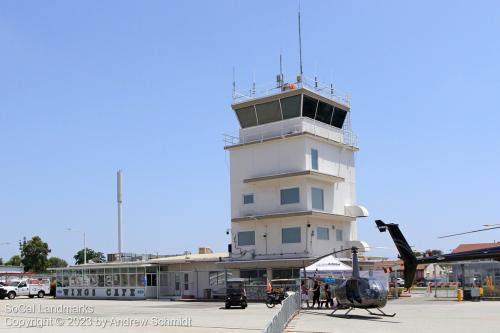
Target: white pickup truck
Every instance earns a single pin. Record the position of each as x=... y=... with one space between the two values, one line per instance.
x=30 y=288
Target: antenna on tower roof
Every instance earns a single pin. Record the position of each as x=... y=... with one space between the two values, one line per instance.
x=234 y=83
x=300 y=45
x=279 y=78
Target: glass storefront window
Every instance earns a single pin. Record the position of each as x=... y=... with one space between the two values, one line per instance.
x=116 y=280
x=132 y=280
x=124 y=280
x=140 y=280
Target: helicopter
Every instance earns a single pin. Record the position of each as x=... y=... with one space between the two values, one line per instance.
x=358 y=292
x=411 y=261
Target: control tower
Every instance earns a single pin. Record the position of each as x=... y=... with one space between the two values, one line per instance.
x=292 y=175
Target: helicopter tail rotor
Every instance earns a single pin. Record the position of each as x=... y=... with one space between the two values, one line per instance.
x=404 y=249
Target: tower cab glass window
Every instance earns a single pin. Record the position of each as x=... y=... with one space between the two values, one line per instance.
x=290 y=107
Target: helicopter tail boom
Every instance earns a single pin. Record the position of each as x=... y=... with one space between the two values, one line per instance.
x=404 y=249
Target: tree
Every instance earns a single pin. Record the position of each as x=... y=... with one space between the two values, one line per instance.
x=91 y=255
x=14 y=261
x=34 y=254
x=55 y=262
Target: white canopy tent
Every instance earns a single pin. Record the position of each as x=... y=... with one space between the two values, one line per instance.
x=327 y=267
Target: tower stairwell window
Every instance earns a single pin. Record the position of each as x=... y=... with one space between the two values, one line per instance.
x=317 y=198
x=290 y=235
x=248 y=199
x=289 y=196
x=323 y=233
x=314 y=159
x=246 y=238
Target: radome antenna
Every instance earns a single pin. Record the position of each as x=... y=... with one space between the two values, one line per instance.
x=300 y=45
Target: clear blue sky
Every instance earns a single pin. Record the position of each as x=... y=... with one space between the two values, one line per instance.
x=87 y=87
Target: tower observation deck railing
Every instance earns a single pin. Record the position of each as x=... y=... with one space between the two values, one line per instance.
x=313 y=84
x=295 y=126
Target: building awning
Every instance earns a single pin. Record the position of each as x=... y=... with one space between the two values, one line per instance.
x=267 y=263
x=356 y=211
x=309 y=174
x=294 y=214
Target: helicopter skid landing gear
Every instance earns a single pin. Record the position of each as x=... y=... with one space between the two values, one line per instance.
x=342 y=308
x=382 y=313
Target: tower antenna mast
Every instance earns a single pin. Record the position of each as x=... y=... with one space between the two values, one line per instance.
x=300 y=45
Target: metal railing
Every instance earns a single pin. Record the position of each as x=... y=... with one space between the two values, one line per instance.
x=313 y=127
x=326 y=90
x=289 y=307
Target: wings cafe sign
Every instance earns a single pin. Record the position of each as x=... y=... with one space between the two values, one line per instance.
x=81 y=292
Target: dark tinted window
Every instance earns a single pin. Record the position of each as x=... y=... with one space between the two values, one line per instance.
x=290 y=196
x=309 y=107
x=290 y=235
x=325 y=112
x=339 y=117
x=290 y=107
x=268 y=112
x=246 y=116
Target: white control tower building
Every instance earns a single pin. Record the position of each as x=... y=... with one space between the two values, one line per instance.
x=293 y=180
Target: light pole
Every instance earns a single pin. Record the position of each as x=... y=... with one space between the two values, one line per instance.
x=84 y=244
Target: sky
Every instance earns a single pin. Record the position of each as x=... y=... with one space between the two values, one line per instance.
x=90 y=87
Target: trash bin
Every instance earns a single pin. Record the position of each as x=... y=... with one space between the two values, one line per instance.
x=207 y=293
x=467 y=294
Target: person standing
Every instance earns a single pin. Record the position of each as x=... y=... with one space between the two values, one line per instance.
x=328 y=296
x=304 y=293
x=316 y=293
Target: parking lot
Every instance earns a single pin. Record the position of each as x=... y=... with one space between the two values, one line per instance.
x=69 y=315
x=413 y=315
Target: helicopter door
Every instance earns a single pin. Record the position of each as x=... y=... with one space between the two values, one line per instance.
x=352 y=291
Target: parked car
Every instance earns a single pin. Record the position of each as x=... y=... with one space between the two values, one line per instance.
x=3 y=293
x=30 y=288
x=400 y=282
x=236 y=294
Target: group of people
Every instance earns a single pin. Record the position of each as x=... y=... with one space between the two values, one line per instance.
x=316 y=290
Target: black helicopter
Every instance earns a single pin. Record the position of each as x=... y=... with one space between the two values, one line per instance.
x=358 y=292
x=411 y=261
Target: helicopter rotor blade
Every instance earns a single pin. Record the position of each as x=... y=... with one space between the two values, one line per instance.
x=468 y=232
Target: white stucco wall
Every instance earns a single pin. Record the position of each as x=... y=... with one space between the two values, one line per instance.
x=287 y=155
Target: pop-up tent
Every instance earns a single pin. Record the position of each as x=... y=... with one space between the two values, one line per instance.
x=327 y=267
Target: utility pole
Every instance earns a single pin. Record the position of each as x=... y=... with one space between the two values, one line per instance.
x=119 y=201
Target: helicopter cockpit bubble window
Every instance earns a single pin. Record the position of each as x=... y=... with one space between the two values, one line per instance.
x=268 y=112
x=290 y=107
x=247 y=116
x=376 y=284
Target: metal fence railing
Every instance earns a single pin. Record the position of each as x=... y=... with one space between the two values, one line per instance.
x=289 y=307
